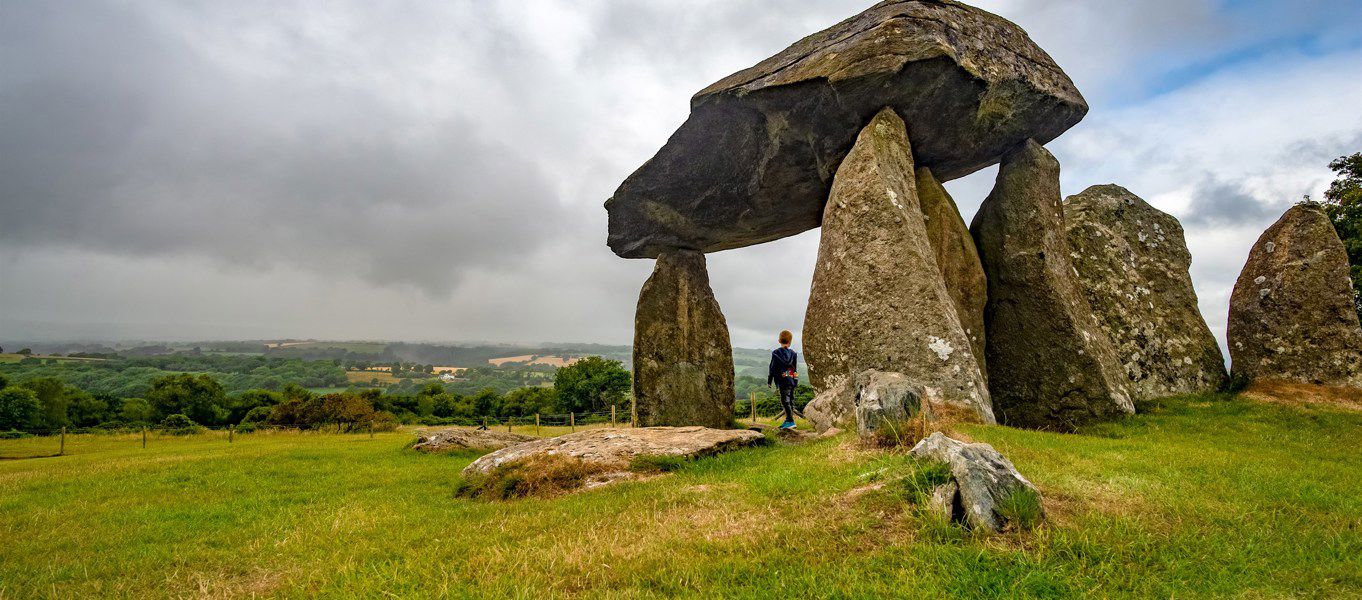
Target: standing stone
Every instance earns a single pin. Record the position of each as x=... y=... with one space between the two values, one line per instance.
x=957 y=258
x=1291 y=314
x=683 y=361
x=1132 y=264
x=878 y=300
x=1050 y=365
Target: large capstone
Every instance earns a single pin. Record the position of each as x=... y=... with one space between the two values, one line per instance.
x=1050 y=365
x=878 y=300
x=683 y=362
x=957 y=258
x=1133 y=263
x=1291 y=313
x=755 y=160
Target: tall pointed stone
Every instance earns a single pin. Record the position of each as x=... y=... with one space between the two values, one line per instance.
x=1050 y=365
x=957 y=258
x=1291 y=313
x=683 y=361
x=878 y=300
x=1133 y=263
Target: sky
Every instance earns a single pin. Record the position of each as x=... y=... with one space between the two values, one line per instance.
x=435 y=171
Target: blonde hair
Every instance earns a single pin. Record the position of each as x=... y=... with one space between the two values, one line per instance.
x=786 y=337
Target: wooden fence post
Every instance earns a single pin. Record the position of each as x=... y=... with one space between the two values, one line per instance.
x=144 y=436
x=752 y=400
x=231 y=429
x=62 y=451
x=510 y=422
x=572 y=422
x=536 y=424
x=371 y=429
x=612 y=416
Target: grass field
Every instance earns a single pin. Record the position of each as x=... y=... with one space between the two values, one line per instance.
x=1194 y=498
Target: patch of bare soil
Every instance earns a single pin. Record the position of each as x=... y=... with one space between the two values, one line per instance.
x=1303 y=394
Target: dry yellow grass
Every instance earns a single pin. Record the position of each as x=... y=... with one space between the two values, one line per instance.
x=1302 y=394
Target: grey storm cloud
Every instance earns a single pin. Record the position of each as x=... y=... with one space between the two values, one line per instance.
x=205 y=168
x=121 y=137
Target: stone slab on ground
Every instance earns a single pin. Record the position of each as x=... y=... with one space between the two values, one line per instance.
x=467 y=438
x=614 y=449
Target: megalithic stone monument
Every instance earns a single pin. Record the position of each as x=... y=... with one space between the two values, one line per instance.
x=878 y=299
x=757 y=160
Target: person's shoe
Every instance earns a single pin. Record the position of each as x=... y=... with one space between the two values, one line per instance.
x=787 y=425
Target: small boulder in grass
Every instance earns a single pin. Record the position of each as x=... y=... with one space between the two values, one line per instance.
x=986 y=493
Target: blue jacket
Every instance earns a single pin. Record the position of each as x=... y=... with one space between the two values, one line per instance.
x=783 y=360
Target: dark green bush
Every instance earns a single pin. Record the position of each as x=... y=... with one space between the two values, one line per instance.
x=180 y=425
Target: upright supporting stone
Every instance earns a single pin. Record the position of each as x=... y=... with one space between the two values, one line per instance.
x=878 y=300
x=1050 y=365
x=683 y=361
x=957 y=257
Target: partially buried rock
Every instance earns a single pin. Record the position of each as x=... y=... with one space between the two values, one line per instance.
x=957 y=258
x=833 y=407
x=1133 y=263
x=878 y=300
x=885 y=403
x=1291 y=314
x=456 y=439
x=683 y=362
x=986 y=492
x=755 y=160
x=611 y=450
x=1050 y=365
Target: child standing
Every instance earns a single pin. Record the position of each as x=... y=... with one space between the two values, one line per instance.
x=784 y=373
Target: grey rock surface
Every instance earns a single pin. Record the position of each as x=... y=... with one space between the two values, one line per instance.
x=683 y=361
x=755 y=160
x=614 y=449
x=982 y=477
x=1291 y=313
x=878 y=300
x=832 y=408
x=885 y=402
x=957 y=258
x=1050 y=365
x=1133 y=266
x=467 y=438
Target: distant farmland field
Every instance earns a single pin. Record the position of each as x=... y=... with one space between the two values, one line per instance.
x=356 y=347
x=534 y=359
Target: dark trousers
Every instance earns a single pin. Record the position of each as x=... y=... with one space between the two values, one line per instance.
x=787 y=401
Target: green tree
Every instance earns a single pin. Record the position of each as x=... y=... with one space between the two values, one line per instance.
x=84 y=409
x=525 y=402
x=199 y=397
x=487 y=403
x=51 y=393
x=591 y=384
x=19 y=408
x=1343 y=203
x=136 y=410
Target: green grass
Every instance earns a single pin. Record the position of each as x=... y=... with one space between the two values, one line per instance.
x=1196 y=497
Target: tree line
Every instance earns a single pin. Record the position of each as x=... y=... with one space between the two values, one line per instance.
x=45 y=403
